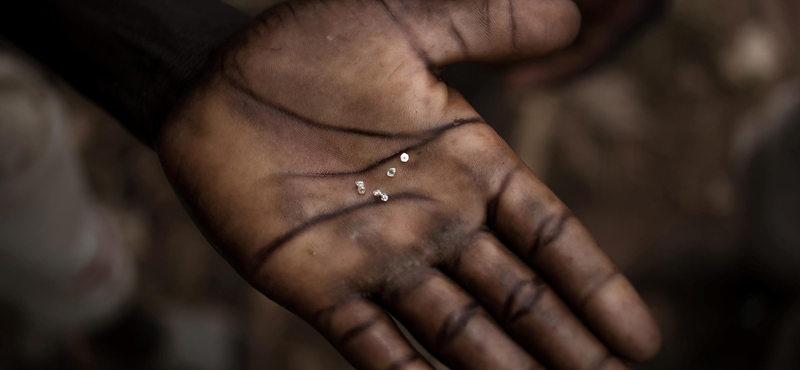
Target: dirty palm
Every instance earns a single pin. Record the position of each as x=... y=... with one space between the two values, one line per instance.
x=471 y=252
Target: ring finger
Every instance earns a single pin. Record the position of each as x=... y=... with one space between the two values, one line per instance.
x=528 y=309
x=452 y=325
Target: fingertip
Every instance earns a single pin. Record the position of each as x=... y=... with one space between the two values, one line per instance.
x=624 y=321
x=554 y=26
x=612 y=363
x=571 y=19
x=643 y=333
x=648 y=344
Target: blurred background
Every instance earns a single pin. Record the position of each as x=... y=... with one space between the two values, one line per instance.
x=680 y=153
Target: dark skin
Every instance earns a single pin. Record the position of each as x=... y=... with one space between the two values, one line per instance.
x=472 y=253
x=605 y=25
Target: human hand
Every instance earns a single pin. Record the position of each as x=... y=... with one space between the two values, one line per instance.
x=471 y=252
x=605 y=27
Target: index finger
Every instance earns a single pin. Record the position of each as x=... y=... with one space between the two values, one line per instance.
x=532 y=220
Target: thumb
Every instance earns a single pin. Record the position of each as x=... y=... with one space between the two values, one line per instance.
x=449 y=31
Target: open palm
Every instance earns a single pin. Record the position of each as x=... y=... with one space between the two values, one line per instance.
x=471 y=252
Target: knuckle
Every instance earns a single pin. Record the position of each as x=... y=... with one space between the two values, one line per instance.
x=524 y=300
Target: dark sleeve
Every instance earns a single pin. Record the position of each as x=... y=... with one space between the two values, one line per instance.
x=132 y=57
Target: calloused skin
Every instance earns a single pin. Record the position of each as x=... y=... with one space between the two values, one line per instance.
x=472 y=253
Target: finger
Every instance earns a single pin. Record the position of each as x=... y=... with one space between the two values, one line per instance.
x=607 y=27
x=485 y=30
x=533 y=222
x=367 y=336
x=588 y=49
x=452 y=325
x=528 y=309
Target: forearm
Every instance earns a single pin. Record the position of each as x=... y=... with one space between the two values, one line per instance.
x=133 y=57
